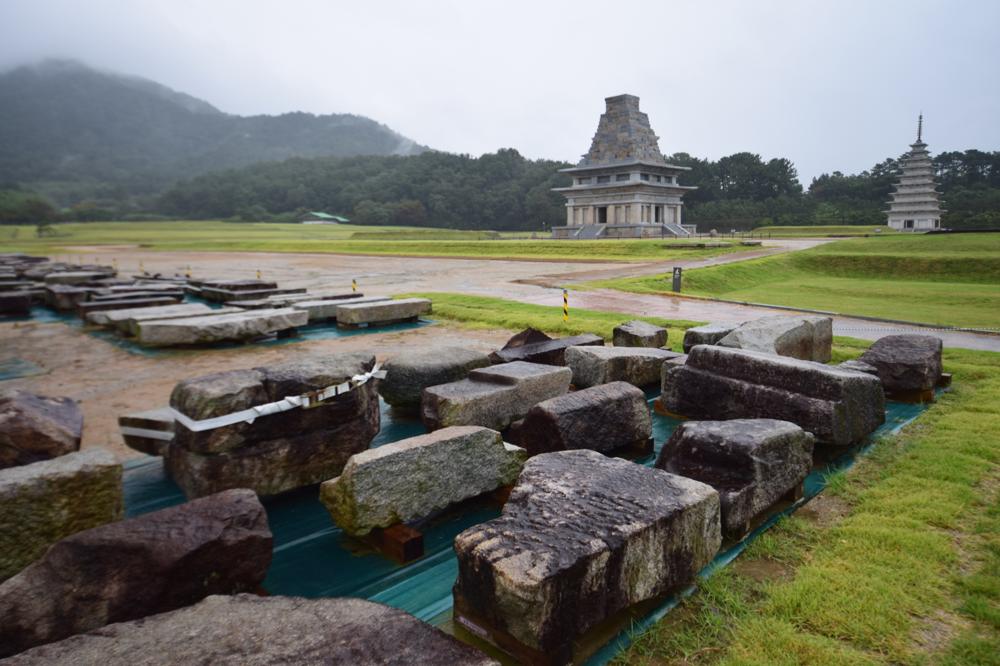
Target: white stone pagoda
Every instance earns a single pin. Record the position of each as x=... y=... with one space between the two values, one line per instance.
x=623 y=187
x=916 y=203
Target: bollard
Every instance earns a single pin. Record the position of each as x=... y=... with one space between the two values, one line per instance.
x=258 y=274
x=142 y=269
x=354 y=285
x=677 y=278
x=565 y=305
x=187 y=272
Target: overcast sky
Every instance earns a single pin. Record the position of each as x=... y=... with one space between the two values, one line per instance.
x=829 y=85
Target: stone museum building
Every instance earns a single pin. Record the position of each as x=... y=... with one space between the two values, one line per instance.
x=916 y=203
x=623 y=187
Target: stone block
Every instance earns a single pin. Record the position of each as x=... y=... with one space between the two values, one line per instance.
x=15 y=303
x=752 y=463
x=604 y=418
x=83 y=309
x=582 y=537
x=548 y=352
x=493 y=397
x=640 y=366
x=46 y=501
x=150 y=432
x=906 y=363
x=383 y=312
x=65 y=297
x=408 y=374
x=233 y=327
x=840 y=407
x=417 y=477
x=326 y=310
x=116 y=318
x=806 y=338
x=137 y=567
x=77 y=277
x=639 y=334
x=859 y=366
x=35 y=427
x=709 y=334
x=246 y=629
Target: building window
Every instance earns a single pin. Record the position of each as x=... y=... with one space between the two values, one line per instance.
x=622 y=176
x=658 y=179
x=643 y=176
x=604 y=179
x=583 y=181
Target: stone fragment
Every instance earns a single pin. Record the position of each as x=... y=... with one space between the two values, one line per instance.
x=114 y=318
x=275 y=452
x=150 y=432
x=233 y=327
x=752 y=463
x=382 y=312
x=906 y=363
x=34 y=427
x=549 y=352
x=408 y=374
x=859 y=366
x=528 y=336
x=582 y=537
x=246 y=629
x=417 y=477
x=76 y=277
x=709 y=334
x=840 y=407
x=639 y=366
x=65 y=297
x=15 y=303
x=604 y=418
x=83 y=309
x=492 y=397
x=326 y=310
x=137 y=567
x=637 y=333
x=806 y=338
x=46 y=501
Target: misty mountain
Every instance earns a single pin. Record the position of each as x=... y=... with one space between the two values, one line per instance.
x=73 y=132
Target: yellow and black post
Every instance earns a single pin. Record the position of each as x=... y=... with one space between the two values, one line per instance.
x=258 y=274
x=354 y=285
x=565 y=305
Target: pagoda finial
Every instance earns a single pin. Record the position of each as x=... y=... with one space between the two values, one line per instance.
x=920 y=126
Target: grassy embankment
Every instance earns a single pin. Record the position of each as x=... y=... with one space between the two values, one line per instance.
x=406 y=241
x=829 y=231
x=902 y=567
x=951 y=280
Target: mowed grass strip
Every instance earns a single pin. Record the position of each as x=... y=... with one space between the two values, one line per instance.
x=825 y=231
x=395 y=241
x=910 y=574
x=950 y=280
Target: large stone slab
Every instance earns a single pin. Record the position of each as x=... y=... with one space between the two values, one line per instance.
x=752 y=463
x=417 y=477
x=46 y=501
x=409 y=373
x=137 y=567
x=326 y=309
x=246 y=629
x=493 y=397
x=35 y=427
x=548 y=352
x=806 y=338
x=604 y=418
x=77 y=277
x=232 y=327
x=709 y=334
x=840 y=407
x=640 y=366
x=906 y=363
x=15 y=303
x=382 y=312
x=582 y=537
x=64 y=297
x=277 y=452
x=119 y=318
x=637 y=333
x=83 y=309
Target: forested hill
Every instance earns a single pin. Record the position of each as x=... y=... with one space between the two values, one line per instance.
x=72 y=132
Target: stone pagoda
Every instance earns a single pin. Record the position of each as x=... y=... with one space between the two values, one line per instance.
x=623 y=187
x=916 y=204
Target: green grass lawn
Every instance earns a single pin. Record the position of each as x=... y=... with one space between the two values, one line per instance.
x=407 y=241
x=908 y=570
x=951 y=280
x=828 y=231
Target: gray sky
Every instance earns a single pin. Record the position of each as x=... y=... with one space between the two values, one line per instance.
x=829 y=85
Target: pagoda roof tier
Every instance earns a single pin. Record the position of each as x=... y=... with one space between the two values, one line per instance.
x=624 y=165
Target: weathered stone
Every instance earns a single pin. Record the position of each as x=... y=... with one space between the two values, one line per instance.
x=233 y=327
x=15 y=303
x=549 y=352
x=95 y=306
x=408 y=374
x=492 y=397
x=806 y=338
x=637 y=333
x=46 y=501
x=35 y=427
x=752 y=463
x=76 y=277
x=639 y=366
x=839 y=407
x=150 y=431
x=582 y=537
x=859 y=366
x=137 y=567
x=604 y=418
x=280 y=451
x=906 y=363
x=66 y=297
x=382 y=312
x=245 y=629
x=709 y=334
x=417 y=477
x=122 y=320
x=326 y=310
x=528 y=336
x=177 y=294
